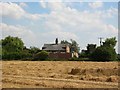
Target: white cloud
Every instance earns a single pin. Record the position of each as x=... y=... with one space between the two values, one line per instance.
x=65 y=35
x=63 y=22
x=43 y=4
x=23 y=4
x=112 y=11
x=111 y=28
x=13 y=10
x=96 y=4
x=71 y=23
x=18 y=31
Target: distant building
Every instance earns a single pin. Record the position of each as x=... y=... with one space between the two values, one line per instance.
x=57 y=50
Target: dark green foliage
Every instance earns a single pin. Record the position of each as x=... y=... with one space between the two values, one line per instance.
x=83 y=55
x=13 y=49
x=118 y=57
x=91 y=48
x=111 y=42
x=56 y=59
x=0 y=52
x=65 y=42
x=86 y=53
x=104 y=53
x=34 y=50
x=11 y=56
x=12 y=44
x=43 y=55
x=79 y=59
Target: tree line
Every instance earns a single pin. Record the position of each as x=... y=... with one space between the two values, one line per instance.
x=12 y=48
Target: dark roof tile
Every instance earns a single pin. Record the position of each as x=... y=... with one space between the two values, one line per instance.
x=54 y=46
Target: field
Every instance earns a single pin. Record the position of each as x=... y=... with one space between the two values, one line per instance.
x=59 y=74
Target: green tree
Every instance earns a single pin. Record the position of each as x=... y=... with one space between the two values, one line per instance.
x=0 y=50
x=12 y=47
x=118 y=57
x=12 y=44
x=106 y=52
x=111 y=42
x=73 y=45
x=43 y=55
x=65 y=42
x=34 y=50
x=91 y=48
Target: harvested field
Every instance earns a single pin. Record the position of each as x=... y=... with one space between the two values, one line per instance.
x=59 y=74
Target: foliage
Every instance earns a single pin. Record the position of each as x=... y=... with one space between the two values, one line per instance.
x=34 y=50
x=104 y=53
x=43 y=55
x=111 y=42
x=56 y=59
x=78 y=59
x=91 y=48
x=118 y=57
x=13 y=49
x=0 y=52
x=73 y=45
x=65 y=42
x=83 y=55
x=12 y=44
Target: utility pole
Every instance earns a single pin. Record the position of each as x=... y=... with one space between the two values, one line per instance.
x=100 y=38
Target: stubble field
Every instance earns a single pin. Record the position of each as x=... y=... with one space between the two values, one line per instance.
x=59 y=74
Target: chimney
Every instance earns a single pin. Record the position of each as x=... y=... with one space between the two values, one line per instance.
x=56 y=41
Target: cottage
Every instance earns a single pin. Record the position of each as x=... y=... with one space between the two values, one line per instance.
x=57 y=50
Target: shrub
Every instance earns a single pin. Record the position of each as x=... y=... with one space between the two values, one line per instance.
x=16 y=56
x=103 y=53
x=118 y=57
x=11 y=56
x=79 y=59
x=43 y=55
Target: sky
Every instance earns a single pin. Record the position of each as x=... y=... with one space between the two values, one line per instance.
x=38 y=23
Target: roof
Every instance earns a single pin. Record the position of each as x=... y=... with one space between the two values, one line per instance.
x=54 y=47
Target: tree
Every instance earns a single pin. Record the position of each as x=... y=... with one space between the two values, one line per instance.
x=65 y=42
x=106 y=52
x=118 y=56
x=91 y=48
x=12 y=47
x=12 y=44
x=103 y=53
x=73 y=45
x=110 y=42
x=0 y=51
x=34 y=50
x=43 y=55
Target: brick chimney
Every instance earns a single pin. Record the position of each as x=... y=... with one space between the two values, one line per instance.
x=56 y=41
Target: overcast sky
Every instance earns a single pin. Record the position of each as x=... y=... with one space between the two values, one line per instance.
x=37 y=23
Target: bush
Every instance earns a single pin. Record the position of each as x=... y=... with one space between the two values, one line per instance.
x=79 y=59
x=118 y=57
x=43 y=55
x=11 y=56
x=16 y=56
x=103 y=53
